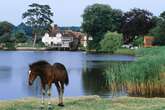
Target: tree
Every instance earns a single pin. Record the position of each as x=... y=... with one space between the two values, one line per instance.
x=159 y=30
x=39 y=18
x=5 y=27
x=25 y=29
x=97 y=20
x=117 y=20
x=20 y=37
x=6 y=37
x=136 y=22
x=8 y=40
x=111 y=42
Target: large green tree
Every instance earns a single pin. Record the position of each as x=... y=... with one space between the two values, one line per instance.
x=136 y=22
x=159 y=31
x=6 y=27
x=97 y=20
x=39 y=18
x=24 y=28
x=6 y=36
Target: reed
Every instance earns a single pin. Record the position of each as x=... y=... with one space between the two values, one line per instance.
x=115 y=77
x=144 y=77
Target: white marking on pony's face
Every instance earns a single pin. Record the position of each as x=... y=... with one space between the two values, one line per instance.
x=29 y=72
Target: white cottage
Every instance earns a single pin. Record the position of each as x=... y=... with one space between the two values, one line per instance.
x=57 y=41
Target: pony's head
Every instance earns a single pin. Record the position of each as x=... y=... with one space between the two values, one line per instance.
x=37 y=69
x=32 y=74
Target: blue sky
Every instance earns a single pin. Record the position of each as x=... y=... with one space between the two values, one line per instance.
x=68 y=12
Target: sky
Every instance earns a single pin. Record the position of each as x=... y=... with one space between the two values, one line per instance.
x=68 y=12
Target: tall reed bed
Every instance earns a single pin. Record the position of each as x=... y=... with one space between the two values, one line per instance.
x=144 y=77
x=115 y=76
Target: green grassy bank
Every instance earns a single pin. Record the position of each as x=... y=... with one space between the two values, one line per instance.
x=125 y=51
x=89 y=103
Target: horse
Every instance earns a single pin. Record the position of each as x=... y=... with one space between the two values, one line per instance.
x=49 y=74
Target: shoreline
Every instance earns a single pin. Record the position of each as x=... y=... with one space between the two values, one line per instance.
x=52 y=98
x=118 y=52
x=87 y=103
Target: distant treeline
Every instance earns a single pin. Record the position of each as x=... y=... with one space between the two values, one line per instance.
x=73 y=28
x=28 y=30
x=11 y=36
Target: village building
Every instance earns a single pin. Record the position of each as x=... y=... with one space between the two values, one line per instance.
x=148 y=41
x=64 y=39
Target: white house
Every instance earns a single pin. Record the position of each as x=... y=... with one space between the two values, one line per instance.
x=57 y=41
x=64 y=39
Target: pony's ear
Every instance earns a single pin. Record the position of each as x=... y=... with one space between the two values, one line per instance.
x=30 y=66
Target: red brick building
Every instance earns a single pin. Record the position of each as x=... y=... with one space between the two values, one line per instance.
x=148 y=41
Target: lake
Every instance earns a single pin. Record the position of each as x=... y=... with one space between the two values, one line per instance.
x=85 y=72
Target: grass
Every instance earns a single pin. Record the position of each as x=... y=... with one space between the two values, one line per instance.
x=150 y=51
x=144 y=77
x=125 y=51
x=120 y=51
x=89 y=103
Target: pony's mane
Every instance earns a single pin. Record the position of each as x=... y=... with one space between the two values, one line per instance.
x=40 y=63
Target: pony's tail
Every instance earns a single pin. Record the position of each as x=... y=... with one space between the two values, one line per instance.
x=67 y=78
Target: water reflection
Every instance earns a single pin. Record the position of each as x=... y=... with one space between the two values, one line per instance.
x=34 y=90
x=95 y=82
x=5 y=73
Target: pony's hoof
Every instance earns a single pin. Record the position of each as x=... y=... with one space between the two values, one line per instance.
x=49 y=107
x=61 y=105
x=42 y=106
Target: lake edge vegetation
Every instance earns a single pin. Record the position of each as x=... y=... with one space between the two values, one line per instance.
x=143 y=77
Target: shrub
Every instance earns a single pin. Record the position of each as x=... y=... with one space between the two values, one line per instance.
x=20 y=37
x=10 y=45
x=138 y=41
x=111 y=42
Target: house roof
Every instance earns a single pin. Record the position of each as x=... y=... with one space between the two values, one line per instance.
x=67 y=33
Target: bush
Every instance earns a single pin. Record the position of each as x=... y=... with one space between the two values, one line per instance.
x=138 y=41
x=111 y=42
x=20 y=37
x=10 y=45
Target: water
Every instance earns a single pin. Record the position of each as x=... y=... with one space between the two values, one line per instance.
x=85 y=73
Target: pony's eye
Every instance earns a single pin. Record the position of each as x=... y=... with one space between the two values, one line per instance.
x=29 y=71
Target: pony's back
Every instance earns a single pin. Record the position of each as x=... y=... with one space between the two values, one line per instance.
x=63 y=72
x=40 y=63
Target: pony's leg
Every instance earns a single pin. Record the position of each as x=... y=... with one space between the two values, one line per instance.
x=62 y=93
x=61 y=86
x=42 y=102
x=58 y=90
x=43 y=95
x=49 y=95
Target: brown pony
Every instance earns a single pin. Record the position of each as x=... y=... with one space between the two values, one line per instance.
x=49 y=74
